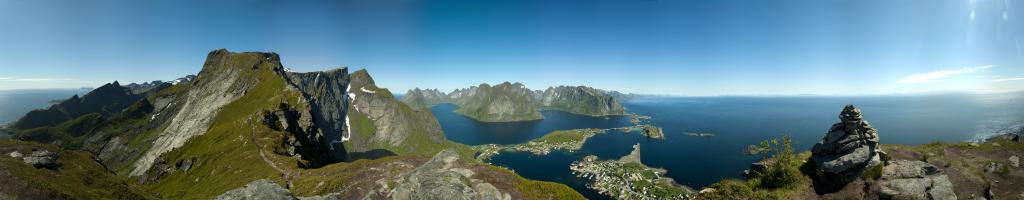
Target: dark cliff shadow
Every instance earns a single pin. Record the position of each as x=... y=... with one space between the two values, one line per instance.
x=369 y=155
x=833 y=183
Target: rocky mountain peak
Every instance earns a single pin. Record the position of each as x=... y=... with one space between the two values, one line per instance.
x=361 y=76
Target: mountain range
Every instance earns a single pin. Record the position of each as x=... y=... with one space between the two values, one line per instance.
x=245 y=121
x=507 y=101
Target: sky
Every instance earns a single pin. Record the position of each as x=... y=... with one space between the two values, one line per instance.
x=696 y=48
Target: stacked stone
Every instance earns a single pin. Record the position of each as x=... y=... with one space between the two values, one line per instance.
x=848 y=148
x=850 y=133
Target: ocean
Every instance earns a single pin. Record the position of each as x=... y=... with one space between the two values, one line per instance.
x=737 y=122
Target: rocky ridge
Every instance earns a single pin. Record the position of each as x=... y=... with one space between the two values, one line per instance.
x=221 y=81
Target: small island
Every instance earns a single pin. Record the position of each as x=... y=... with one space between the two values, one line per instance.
x=565 y=140
x=628 y=178
x=651 y=131
x=636 y=119
x=704 y=135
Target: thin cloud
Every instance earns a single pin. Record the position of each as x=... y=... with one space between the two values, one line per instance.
x=930 y=76
x=1009 y=79
x=33 y=79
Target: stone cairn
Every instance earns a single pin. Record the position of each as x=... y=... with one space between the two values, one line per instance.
x=848 y=148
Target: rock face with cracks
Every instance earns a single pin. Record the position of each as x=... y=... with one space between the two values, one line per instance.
x=440 y=178
x=847 y=149
x=904 y=179
x=327 y=94
x=385 y=122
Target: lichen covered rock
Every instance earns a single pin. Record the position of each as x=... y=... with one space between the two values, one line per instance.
x=904 y=179
x=41 y=159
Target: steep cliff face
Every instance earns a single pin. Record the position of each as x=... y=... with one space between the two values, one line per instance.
x=504 y=102
x=225 y=77
x=379 y=121
x=327 y=95
x=423 y=99
x=581 y=100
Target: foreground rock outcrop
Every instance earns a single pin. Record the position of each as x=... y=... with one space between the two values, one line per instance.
x=264 y=189
x=581 y=100
x=904 y=179
x=40 y=158
x=848 y=148
x=441 y=178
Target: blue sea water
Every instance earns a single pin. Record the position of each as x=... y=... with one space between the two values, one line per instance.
x=737 y=122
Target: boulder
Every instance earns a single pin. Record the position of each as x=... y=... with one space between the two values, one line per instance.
x=264 y=189
x=259 y=189
x=849 y=146
x=1014 y=161
x=41 y=159
x=756 y=168
x=909 y=169
x=442 y=178
x=904 y=179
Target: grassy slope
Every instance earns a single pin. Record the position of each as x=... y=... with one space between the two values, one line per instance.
x=79 y=177
x=966 y=164
x=227 y=157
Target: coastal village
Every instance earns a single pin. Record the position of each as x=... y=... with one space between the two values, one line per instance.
x=628 y=178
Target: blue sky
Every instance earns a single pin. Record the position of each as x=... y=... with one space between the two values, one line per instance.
x=725 y=47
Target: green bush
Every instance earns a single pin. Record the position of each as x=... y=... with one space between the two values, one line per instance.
x=781 y=177
x=783 y=168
